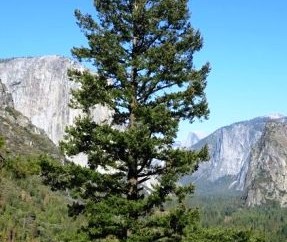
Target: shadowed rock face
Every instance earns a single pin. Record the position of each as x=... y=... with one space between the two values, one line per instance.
x=40 y=90
x=266 y=178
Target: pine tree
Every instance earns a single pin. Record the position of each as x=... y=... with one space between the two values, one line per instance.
x=142 y=52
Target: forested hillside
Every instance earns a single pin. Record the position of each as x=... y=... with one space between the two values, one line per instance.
x=120 y=120
x=30 y=211
x=269 y=220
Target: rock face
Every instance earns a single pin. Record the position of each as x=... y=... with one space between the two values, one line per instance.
x=266 y=178
x=248 y=156
x=41 y=91
x=6 y=99
x=20 y=135
x=243 y=156
x=229 y=148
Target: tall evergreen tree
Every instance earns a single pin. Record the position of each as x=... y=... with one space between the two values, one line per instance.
x=142 y=51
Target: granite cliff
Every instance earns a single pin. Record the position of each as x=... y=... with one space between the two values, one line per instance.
x=243 y=157
x=20 y=135
x=40 y=90
x=229 y=148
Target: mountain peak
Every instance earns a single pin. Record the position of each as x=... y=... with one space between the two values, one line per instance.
x=193 y=138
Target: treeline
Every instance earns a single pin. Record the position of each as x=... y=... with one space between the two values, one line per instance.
x=3 y=60
x=269 y=220
x=32 y=212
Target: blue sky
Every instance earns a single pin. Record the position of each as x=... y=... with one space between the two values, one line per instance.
x=244 y=40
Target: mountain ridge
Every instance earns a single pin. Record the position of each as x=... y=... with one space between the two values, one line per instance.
x=39 y=88
x=231 y=148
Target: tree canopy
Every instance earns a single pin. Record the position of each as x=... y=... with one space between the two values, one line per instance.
x=142 y=52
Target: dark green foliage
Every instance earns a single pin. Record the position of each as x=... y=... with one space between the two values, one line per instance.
x=2 y=142
x=269 y=220
x=29 y=211
x=225 y=235
x=23 y=167
x=143 y=55
x=142 y=52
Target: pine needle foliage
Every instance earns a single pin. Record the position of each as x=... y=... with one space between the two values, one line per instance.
x=142 y=52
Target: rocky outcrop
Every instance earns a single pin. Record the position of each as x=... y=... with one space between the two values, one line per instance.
x=266 y=178
x=20 y=135
x=40 y=90
x=6 y=99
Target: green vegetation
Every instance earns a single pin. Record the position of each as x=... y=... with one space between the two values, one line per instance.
x=23 y=138
x=29 y=210
x=230 y=212
x=142 y=52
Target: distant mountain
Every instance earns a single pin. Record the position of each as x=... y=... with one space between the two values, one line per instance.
x=192 y=139
x=230 y=150
x=243 y=156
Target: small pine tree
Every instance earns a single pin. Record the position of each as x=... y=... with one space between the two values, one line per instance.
x=143 y=55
